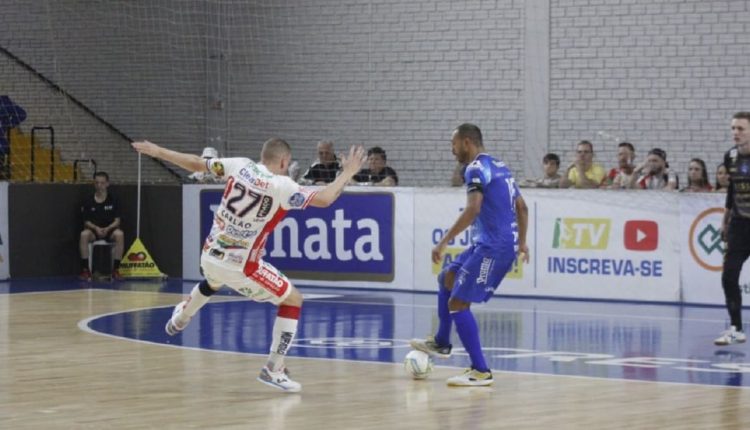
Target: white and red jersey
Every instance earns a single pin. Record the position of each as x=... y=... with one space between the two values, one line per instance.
x=254 y=201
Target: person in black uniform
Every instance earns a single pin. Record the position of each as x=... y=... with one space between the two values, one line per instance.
x=101 y=220
x=736 y=226
x=377 y=173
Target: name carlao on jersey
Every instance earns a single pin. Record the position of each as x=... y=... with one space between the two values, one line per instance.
x=254 y=201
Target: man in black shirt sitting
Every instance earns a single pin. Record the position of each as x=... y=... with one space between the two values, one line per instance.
x=101 y=220
x=377 y=173
x=325 y=169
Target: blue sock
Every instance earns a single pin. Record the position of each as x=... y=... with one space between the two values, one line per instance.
x=468 y=332
x=443 y=335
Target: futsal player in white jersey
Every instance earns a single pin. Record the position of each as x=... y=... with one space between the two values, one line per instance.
x=256 y=197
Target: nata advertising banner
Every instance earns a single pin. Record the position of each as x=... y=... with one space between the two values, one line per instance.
x=4 y=258
x=352 y=240
x=701 y=217
x=608 y=245
x=435 y=212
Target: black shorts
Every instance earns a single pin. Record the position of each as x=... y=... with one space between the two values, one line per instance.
x=108 y=237
x=738 y=234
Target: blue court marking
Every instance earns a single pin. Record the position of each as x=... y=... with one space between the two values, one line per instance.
x=617 y=341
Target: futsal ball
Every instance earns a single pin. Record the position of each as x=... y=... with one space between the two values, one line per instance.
x=418 y=364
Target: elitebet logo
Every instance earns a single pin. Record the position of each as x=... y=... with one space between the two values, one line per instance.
x=641 y=235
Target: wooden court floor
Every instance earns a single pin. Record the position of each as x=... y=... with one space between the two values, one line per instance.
x=54 y=375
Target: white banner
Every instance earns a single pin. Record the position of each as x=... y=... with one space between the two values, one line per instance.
x=603 y=245
x=435 y=213
x=629 y=245
x=607 y=245
x=703 y=251
x=4 y=254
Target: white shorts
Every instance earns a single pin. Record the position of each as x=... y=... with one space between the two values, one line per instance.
x=263 y=284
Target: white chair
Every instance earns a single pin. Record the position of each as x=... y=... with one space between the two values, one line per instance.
x=97 y=243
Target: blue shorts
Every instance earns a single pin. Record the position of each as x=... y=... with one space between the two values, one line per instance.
x=479 y=272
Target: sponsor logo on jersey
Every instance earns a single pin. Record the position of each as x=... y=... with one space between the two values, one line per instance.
x=234 y=258
x=213 y=252
x=239 y=233
x=296 y=200
x=217 y=168
x=253 y=179
x=484 y=270
x=227 y=242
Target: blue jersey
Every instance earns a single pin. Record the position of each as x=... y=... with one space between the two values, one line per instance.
x=495 y=227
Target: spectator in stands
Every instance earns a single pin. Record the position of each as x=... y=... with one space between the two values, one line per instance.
x=377 y=173
x=583 y=172
x=551 y=178
x=101 y=220
x=457 y=180
x=207 y=177
x=11 y=115
x=654 y=173
x=722 y=179
x=697 y=177
x=620 y=177
x=325 y=169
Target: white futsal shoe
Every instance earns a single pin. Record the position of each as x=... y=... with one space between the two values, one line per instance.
x=729 y=337
x=178 y=321
x=471 y=378
x=280 y=380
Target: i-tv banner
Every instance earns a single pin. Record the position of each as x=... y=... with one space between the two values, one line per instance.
x=353 y=239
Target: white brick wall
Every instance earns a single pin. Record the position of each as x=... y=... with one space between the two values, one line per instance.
x=663 y=74
x=399 y=74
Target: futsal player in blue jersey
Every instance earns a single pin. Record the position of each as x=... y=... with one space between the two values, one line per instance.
x=498 y=216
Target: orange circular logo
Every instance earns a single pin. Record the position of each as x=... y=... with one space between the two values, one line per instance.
x=705 y=242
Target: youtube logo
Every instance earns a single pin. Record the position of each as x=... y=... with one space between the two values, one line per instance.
x=641 y=235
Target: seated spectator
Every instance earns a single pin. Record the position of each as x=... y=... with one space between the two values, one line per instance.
x=457 y=180
x=377 y=172
x=583 y=172
x=551 y=178
x=620 y=177
x=325 y=169
x=654 y=173
x=206 y=177
x=722 y=179
x=101 y=220
x=697 y=177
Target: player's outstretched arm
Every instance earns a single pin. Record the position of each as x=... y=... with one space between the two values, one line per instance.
x=350 y=165
x=189 y=162
x=465 y=219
